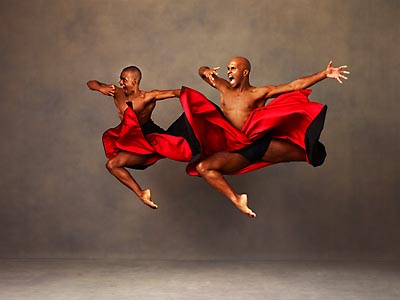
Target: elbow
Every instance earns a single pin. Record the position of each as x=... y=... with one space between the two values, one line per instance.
x=202 y=71
x=90 y=84
x=296 y=85
x=291 y=87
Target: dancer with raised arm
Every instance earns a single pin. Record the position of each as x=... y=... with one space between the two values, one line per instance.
x=245 y=134
x=137 y=142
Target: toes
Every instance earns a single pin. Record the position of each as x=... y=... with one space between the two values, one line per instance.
x=251 y=214
x=152 y=204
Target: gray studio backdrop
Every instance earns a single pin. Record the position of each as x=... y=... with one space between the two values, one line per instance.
x=57 y=198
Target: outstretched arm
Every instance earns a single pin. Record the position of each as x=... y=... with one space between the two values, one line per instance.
x=105 y=89
x=156 y=95
x=308 y=81
x=210 y=76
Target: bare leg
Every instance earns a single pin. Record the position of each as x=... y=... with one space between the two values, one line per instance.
x=282 y=151
x=117 y=165
x=212 y=168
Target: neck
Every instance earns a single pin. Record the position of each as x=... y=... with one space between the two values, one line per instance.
x=244 y=85
x=134 y=92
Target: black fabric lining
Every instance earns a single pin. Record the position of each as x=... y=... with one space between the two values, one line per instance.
x=316 y=152
x=256 y=150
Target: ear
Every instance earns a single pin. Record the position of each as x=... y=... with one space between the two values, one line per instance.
x=245 y=72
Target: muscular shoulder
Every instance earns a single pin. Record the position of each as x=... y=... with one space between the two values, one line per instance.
x=149 y=95
x=261 y=92
x=119 y=91
x=259 y=95
x=119 y=94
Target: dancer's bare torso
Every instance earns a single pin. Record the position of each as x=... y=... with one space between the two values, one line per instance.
x=237 y=105
x=140 y=103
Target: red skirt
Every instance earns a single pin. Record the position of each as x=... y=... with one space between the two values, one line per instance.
x=291 y=117
x=156 y=144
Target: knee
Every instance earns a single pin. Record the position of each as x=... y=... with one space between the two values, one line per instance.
x=202 y=168
x=110 y=165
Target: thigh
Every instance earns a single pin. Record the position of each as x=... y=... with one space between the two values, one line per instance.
x=283 y=151
x=126 y=159
x=225 y=162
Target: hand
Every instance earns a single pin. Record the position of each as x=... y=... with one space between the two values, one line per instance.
x=108 y=90
x=210 y=73
x=336 y=73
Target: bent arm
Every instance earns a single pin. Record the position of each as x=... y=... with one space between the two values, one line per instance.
x=105 y=89
x=210 y=76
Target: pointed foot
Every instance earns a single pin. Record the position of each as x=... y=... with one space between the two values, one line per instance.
x=146 y=198
x=241 y=203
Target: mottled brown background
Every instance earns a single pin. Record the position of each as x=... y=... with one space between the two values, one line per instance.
x=58 y=200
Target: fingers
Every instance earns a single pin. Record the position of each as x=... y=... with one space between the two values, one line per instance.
x=112 y=92
x=212 y=79
x=212 y=72
x=344 y=71
x=339 y=76
x=337 y=73
x=215 y=69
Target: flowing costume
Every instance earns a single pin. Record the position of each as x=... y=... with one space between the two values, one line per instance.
x=176 y=143
x=203 y=130
x=291 y=117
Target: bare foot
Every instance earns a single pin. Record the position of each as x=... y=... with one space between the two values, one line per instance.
x=241 y=203
x=146 y=198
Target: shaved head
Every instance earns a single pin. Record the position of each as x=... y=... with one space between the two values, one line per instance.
x=134 y=72
x=242 y=62
x=129 y=79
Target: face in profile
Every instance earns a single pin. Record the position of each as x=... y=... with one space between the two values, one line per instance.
x=127 y=81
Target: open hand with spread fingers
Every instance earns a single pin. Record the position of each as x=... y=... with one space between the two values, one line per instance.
x=336 y=73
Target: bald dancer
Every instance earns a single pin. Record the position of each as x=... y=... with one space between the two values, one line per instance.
x=238 y=99
x=142 y=103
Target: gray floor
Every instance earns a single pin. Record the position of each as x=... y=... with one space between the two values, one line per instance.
x=190 y=280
